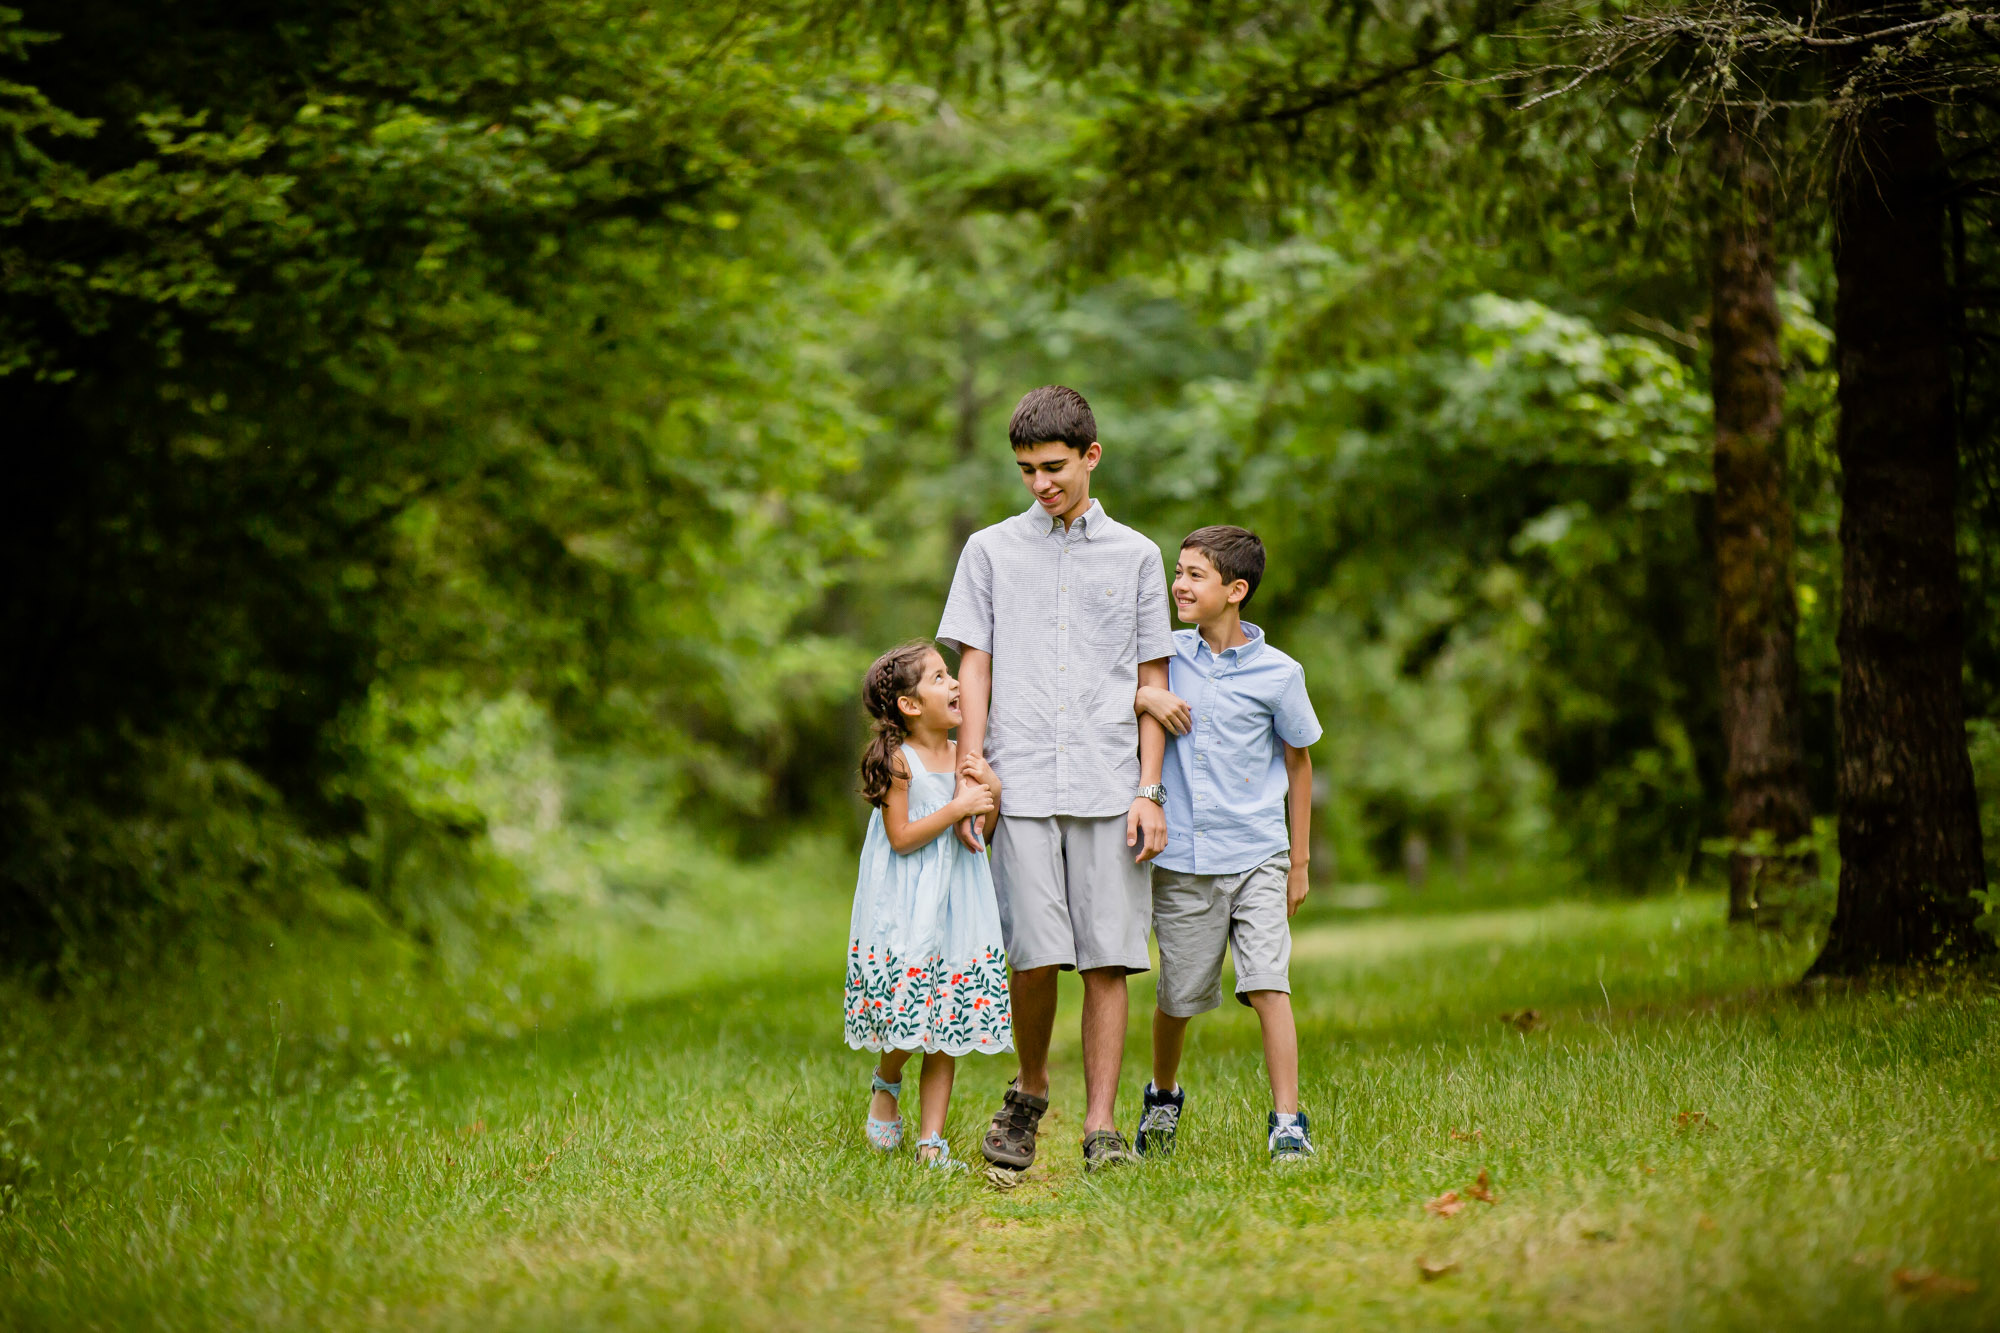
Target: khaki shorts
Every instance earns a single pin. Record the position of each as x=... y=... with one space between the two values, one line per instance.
x=1196 y=915
x=1070 y=894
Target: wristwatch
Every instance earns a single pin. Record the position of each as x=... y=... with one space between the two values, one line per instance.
x=1157 y=793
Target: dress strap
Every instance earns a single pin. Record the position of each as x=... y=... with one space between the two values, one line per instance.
x=910 y=758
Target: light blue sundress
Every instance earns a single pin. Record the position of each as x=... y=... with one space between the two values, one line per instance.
x=926 y=969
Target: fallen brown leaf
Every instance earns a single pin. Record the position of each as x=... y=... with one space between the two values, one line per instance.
x=1692 y=1120
x=551 y=1156
x=1430 y=1270
x=1481 y=1189
x=1445 y=1204
x=476 y=1127
x=1930 y=1282
x=1705 y=1222
x=1474 y=1137
x=1523 y=1020
x=1645 y=1169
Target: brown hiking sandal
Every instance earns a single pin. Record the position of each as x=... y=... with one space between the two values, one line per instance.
x=1010 y=1139
x=1105 y=1147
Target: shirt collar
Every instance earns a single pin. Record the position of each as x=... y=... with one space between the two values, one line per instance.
x=1092 y=522
x=1242 y=654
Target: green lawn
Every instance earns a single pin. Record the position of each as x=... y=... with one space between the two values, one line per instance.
x=1681 y=1141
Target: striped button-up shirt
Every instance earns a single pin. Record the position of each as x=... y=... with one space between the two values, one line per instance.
x=1226 y=779
x=1068 y=616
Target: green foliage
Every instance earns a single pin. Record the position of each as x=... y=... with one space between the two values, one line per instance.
x=1984 y=745
x=466 y=441
x=442 y=345
x=175 y=838
x=1524 y=489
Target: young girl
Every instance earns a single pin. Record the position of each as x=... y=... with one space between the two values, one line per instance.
x=925 y=967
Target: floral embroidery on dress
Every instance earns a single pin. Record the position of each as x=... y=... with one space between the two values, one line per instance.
x=896 y=1003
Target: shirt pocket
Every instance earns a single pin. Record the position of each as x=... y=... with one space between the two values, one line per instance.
x=1110 y=617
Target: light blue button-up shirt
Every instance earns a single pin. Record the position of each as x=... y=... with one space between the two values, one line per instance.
x=1226 y=778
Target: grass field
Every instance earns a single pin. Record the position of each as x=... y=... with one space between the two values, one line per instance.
x=1681 y=1139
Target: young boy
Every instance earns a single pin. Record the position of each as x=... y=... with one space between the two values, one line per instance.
x=1236 y=765
x=1060 y=615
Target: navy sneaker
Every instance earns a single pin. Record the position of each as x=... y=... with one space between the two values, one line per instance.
x=1293 y=1142
x=1159 y=1120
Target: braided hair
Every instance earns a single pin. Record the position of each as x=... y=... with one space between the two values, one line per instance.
x=895 y=675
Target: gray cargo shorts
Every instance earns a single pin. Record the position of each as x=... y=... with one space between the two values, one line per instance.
x=1196 y=915
x=1070 y=894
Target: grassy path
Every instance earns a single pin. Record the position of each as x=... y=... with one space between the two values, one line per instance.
x=1677 y=1142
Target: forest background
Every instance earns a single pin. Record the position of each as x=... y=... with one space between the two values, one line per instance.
x=462 y=456
x=461 y=459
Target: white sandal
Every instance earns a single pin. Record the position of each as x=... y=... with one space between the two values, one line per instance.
x=886 y=1135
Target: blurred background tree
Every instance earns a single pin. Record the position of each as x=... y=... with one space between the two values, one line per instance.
x=462 y=460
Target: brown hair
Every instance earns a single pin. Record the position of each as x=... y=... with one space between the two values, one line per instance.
x=895 y=675
x=1052 y=413
x=1237 y=553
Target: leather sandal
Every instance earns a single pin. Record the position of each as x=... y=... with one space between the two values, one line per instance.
x=1010 y=1139
x=1105 y=1147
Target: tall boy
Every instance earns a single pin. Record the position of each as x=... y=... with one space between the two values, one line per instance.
x=1237 y=763
x=1060 y=615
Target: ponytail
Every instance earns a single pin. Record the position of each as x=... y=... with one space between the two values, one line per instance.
x=895 y=675
x=878 y=761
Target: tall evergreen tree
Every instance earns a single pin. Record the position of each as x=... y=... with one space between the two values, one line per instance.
x=1769 y=810
x=1909 y=818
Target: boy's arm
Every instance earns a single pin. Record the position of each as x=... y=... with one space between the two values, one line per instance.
x=974 y=766
x=1299 y=808
x=1145 y=822
x=975 y=696
x=1165 y=707
x=1156 y=643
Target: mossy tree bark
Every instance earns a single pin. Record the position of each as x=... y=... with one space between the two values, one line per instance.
x=1756 y=612
x=1909 y=826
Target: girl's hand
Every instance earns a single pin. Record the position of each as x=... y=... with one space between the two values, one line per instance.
x=974 y=766
x=975 y=801
x=1164 y=707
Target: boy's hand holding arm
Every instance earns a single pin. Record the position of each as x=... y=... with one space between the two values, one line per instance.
x=1164 y=707
x=975 y=696
x=1299 y=808
x=1146 y=822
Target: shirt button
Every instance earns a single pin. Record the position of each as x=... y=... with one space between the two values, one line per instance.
x=1062 y=749
x=1062 y=668
x=1062 y=708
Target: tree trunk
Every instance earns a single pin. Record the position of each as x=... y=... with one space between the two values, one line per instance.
x=965 y=516
x=1756 y=612
x=1909 y=824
